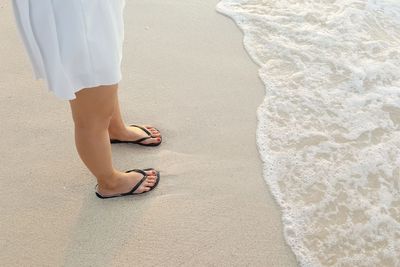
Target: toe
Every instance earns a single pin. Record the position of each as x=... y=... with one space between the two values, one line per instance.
x=155 y=133
x=151 y=178
x=152 y=175
x=149 y=183
x=147 y=189
x=150 y=172
x=153 y=130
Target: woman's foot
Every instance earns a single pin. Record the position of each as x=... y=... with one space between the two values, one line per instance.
x=123 y=182
x=131 y=133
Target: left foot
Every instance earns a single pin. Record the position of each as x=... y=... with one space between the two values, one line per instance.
x=132 y=133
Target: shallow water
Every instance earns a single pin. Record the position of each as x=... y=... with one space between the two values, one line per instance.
x=329 y=126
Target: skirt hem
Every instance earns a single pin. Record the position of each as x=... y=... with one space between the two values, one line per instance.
x=80 y=87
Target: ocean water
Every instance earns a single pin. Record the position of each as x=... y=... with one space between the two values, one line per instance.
x=329 y=126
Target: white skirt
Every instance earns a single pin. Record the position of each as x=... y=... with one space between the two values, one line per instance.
x=72 y=44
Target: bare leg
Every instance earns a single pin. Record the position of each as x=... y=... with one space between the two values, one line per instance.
x=92 y=110
x=118 y=130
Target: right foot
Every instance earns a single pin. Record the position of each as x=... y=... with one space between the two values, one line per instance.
x=124 y=182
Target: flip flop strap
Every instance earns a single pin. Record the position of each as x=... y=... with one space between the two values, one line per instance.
x=137 y=185
x=140 y=182
x=144 y=129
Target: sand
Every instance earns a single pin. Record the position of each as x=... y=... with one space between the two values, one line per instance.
x=186 y=72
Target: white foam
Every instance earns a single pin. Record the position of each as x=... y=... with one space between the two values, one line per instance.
x=329 y=126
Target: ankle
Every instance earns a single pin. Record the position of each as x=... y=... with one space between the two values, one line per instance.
x=112 y=181
x=117 y=130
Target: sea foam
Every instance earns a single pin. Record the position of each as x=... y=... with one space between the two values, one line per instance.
x=329 y=126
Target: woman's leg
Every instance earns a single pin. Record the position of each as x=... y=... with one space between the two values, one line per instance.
x=92 y=110
x=118 y=130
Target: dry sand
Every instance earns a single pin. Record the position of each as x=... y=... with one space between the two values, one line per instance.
x=186 y=72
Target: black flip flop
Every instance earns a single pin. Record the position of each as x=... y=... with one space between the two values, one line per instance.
x=136 y=185
x=112 y=141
